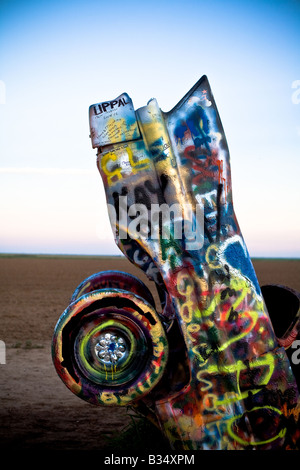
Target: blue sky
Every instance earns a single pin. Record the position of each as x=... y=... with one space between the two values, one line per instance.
x=57 y=58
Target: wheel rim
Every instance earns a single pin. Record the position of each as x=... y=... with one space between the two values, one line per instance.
x=112 y=335
x=89 y=367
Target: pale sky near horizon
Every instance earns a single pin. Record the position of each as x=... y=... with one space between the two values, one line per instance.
x=57 y=58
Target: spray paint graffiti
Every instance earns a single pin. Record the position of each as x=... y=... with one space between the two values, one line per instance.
x=218 y=376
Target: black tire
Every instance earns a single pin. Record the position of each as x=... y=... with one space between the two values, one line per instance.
x=113 y=279
x=82 y=331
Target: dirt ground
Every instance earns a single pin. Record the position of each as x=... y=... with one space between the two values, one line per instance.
x=37 y=411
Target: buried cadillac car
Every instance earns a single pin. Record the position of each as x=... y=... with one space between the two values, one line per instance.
x=212 y=365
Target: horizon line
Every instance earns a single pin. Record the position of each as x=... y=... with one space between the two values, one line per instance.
x=11 y=254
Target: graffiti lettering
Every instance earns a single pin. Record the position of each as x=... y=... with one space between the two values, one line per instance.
x=233 y=316
x=102 y=107
x=121 y=162
x=227 y=291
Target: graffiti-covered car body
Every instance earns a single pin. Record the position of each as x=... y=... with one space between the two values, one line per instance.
x=208 y=367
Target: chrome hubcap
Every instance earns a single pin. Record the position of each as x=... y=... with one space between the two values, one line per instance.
x=110 y=348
